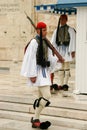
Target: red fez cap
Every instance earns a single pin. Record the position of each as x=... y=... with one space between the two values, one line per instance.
x=41 y=25
x=64 y=16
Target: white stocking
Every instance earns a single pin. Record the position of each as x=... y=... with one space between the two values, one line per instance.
x=44 y=92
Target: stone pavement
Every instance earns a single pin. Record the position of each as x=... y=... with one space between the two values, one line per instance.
x=20 y=125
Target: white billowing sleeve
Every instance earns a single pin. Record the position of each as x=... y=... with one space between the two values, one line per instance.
x=53 y=39
x=54 y=63
x=29 y=67
x=72 y=45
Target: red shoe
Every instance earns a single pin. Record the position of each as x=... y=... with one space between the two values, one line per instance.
x=35 y=123
x=42 y=125
x=60 y=87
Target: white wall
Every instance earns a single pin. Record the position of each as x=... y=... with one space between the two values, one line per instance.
x=81 y=51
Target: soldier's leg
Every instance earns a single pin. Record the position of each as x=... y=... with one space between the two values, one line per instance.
x=52 y=77
x=39 y=105
x=61 y=76
x=43 y=100
x=66 y=75
x=38 y=109
x=67 y=72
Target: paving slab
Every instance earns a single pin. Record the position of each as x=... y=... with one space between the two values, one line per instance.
x=56 y=121
x=20 y=125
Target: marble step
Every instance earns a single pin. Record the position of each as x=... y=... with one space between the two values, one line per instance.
x=51 y=111
x=7 y=124
x=57 y=122
x=58 y=102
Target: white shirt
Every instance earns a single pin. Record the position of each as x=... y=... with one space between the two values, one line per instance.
x=31 y=69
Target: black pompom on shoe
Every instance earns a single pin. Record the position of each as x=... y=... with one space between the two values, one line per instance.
x=45 y=125
x=65 y=87
x=54 y=86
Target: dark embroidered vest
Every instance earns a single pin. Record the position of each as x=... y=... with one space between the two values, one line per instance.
x=63 y=36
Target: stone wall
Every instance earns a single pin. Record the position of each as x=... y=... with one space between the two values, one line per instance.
x=15 y=29
x=46 y=1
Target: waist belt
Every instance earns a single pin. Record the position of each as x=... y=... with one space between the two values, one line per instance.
x=66 y=43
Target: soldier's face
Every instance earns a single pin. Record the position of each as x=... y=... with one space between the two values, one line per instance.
x=44 y=32
x=63 y=21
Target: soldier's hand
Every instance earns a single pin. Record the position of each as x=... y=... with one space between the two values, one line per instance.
x=73 y=54
x=62 y=60
x=33 y=79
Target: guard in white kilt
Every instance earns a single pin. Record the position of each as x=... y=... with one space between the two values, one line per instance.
x=38 y=63
x=64 y=40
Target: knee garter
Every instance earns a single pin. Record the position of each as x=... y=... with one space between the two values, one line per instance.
x=37 y=102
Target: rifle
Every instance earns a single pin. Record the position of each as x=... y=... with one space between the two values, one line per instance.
x=61 y=59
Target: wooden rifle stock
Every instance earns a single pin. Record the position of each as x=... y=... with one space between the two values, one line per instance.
x=61 y=59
